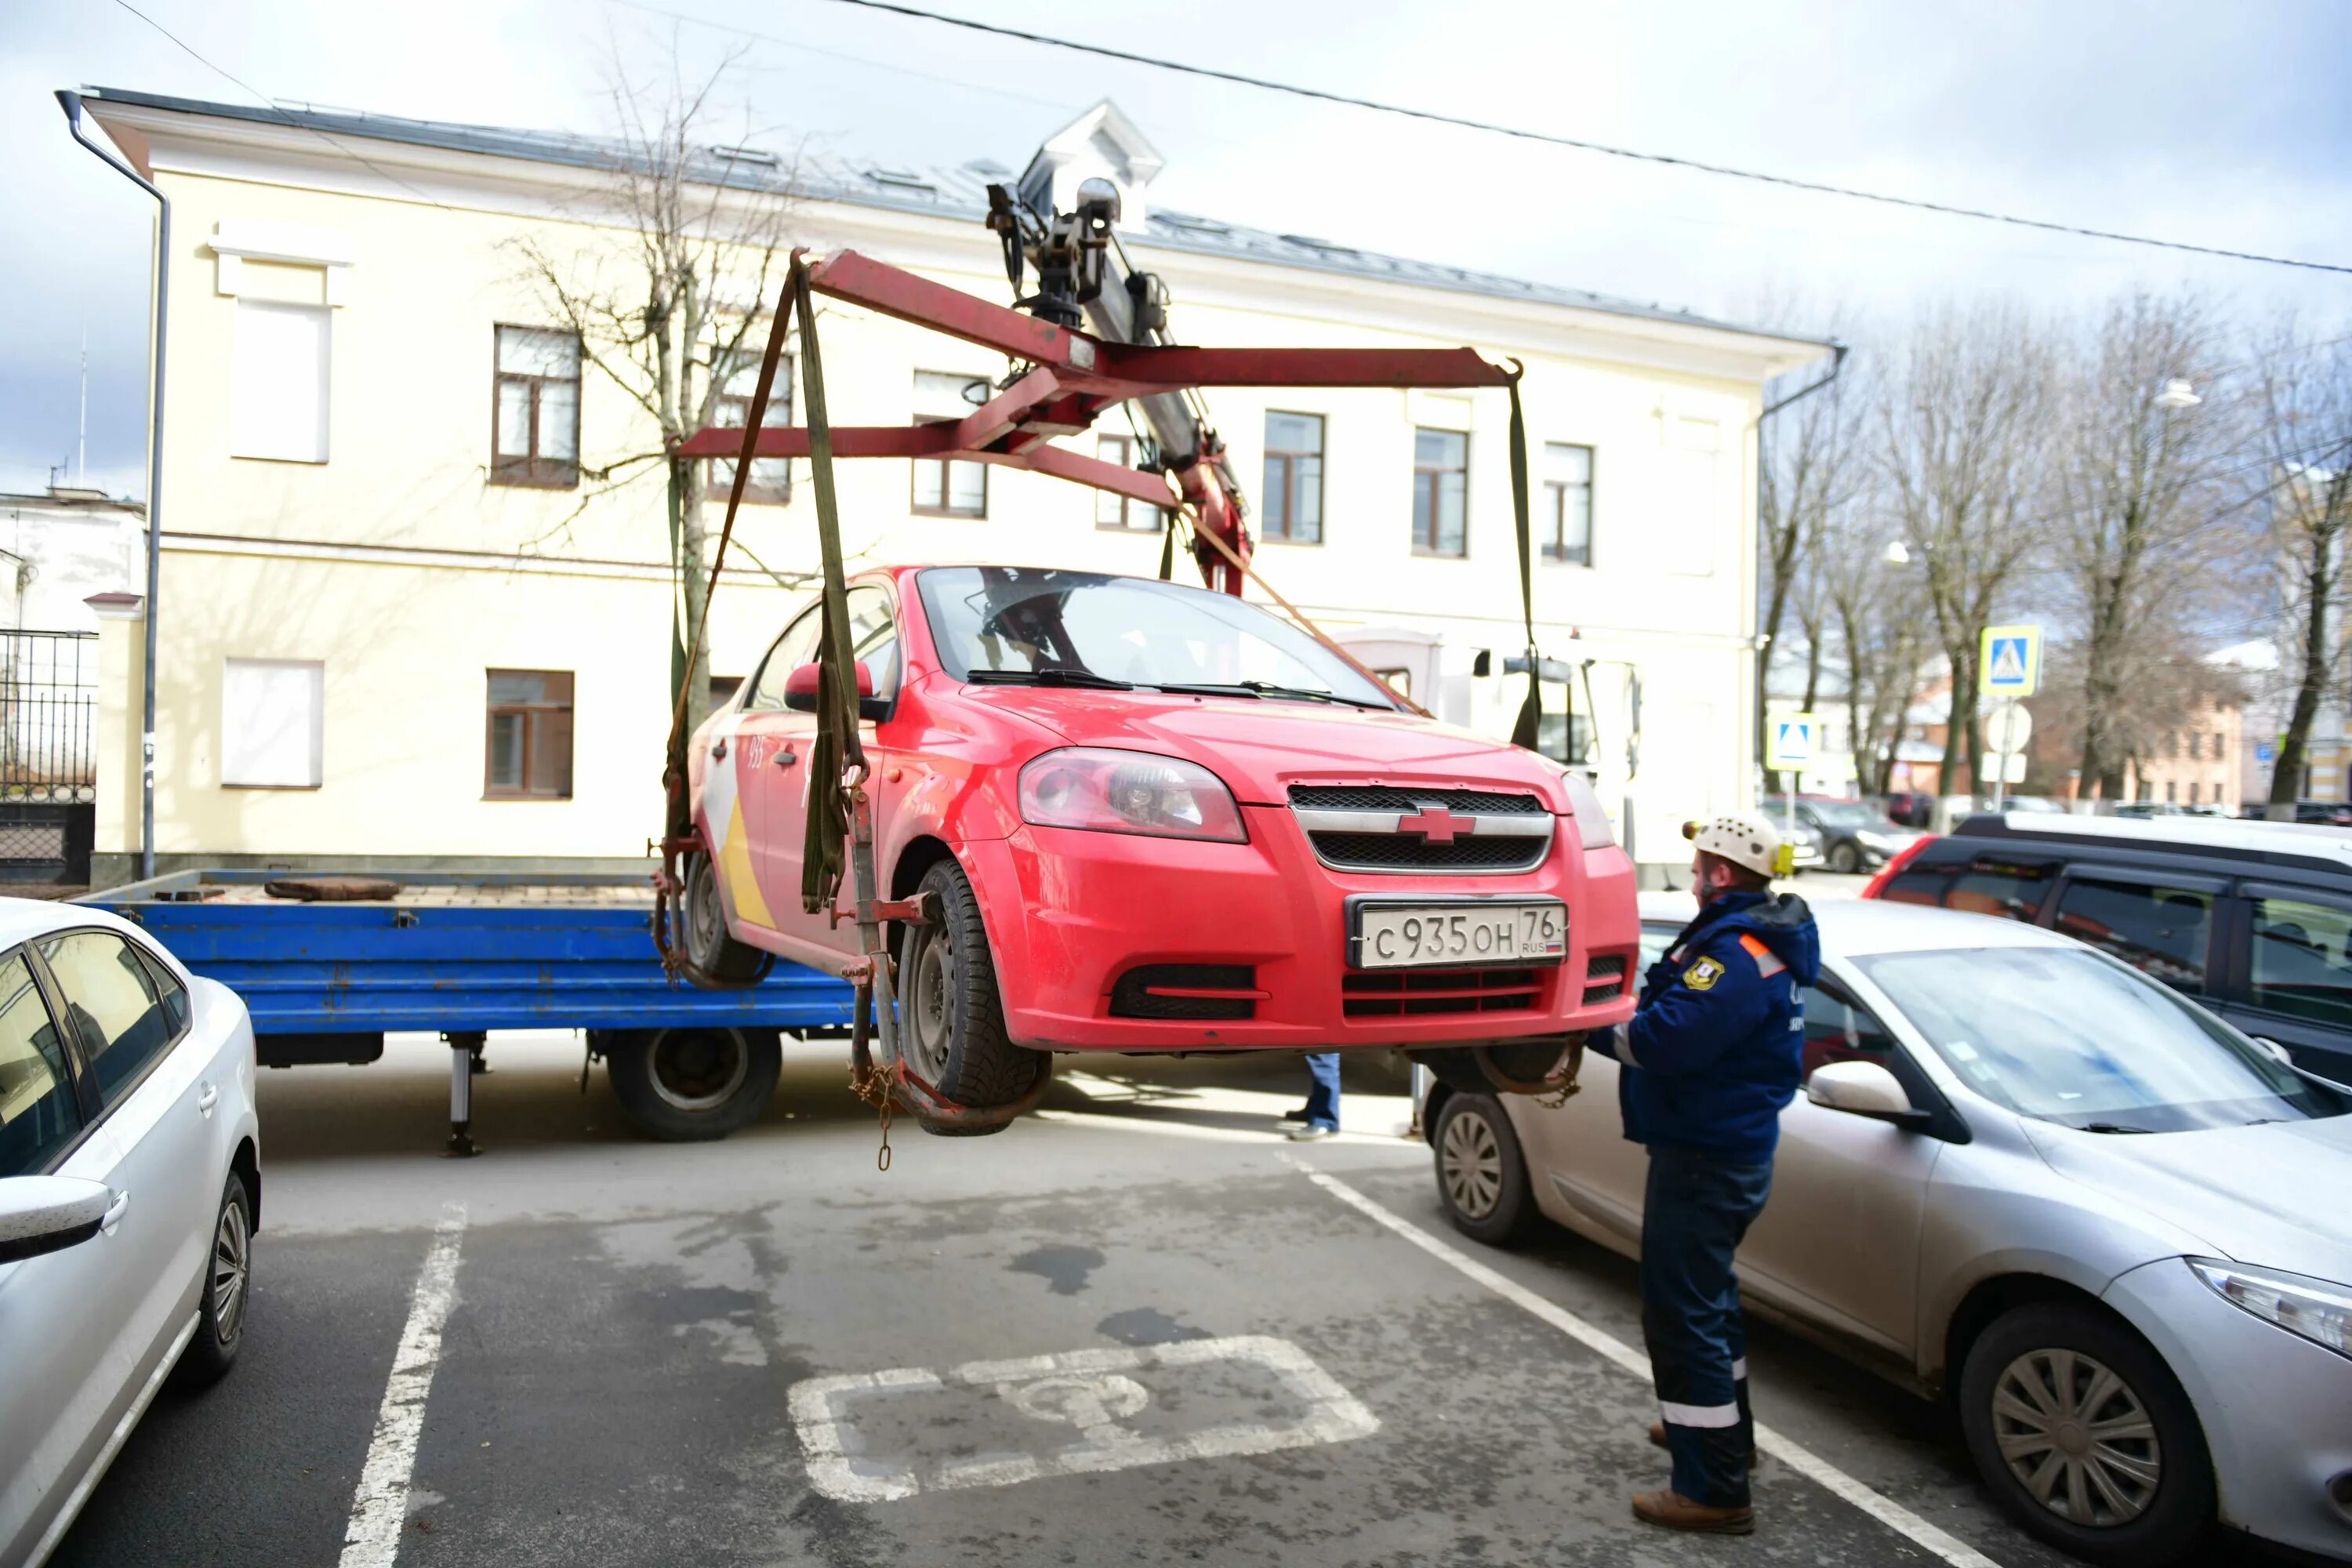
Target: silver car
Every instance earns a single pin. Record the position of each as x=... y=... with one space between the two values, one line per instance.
x=129 y=1184
x=2112 y=1229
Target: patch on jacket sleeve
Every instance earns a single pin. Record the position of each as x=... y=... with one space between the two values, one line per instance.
x=1767 y=964
x=1702 y=975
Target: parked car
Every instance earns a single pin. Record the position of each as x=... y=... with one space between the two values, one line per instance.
x=1910 y=808
x=1850 y=835
x=1153 y=818
x=2026 y=1178
x=2253 y=918
x=130 y=1192
x=2314 y=813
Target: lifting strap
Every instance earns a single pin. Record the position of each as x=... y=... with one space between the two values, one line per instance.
x=1523 y=733
x=837 y=749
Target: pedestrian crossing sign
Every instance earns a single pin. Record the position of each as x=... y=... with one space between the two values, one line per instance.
x=1791 y=742
x=2009 y=661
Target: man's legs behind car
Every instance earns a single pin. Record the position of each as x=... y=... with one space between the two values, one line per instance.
x=1695 y=1211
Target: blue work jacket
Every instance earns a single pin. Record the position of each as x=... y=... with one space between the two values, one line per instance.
x=1716 y=1045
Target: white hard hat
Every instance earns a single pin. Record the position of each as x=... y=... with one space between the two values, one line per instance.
x=1744 y=839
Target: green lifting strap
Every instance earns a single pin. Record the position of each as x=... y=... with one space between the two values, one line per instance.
x=838 y=746
x=1523 y=733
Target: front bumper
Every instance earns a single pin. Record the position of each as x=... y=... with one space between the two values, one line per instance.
x=1070 y=912
x=2277 y=1408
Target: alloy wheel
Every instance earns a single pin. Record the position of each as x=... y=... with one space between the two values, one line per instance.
x=2077 y=1437
x=696 y=1071
x=1470 y=1158
x=232 y=1257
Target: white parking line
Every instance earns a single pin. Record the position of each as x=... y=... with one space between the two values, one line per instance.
x=379 y=1505
x=1802 y=1460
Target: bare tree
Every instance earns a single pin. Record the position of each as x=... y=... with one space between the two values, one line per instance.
x=1963 y=427
x=669 y=291
x=2304 y=397
x=1808 y=455
x=2143 y=528
x=1878 y=613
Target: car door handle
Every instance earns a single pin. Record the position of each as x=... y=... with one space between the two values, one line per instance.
x=208 y=1100
x=786 y=758
x=113 y=1215
x=719 y=750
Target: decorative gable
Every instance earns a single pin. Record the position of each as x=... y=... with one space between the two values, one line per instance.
x=1101 y=143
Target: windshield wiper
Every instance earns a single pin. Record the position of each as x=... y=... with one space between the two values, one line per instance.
x=2110 y=1127
x=1268 y=689
x=1055 y=677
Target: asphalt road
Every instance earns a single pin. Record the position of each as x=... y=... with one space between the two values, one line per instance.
x=1133 y=1329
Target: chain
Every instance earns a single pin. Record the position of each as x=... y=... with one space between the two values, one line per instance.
x=873 y=1089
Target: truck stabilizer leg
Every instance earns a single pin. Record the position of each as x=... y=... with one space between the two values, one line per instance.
x=465 y=1050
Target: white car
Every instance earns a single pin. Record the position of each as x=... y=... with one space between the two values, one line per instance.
x=130 y=1188
x=2111 y=1228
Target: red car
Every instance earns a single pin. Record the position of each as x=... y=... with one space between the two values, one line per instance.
x=1157 y=818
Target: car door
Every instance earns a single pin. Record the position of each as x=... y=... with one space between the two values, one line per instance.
x=1838 y=1242
x=67 y=1375
x=2293 y=984
x=767 y=747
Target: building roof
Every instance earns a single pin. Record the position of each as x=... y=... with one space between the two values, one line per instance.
x=958 y=192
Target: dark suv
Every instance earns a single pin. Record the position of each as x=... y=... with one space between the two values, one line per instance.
x=2253 y=918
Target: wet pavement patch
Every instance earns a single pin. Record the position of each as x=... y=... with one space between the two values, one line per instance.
x=1147 y=1326
x=1063 y=1267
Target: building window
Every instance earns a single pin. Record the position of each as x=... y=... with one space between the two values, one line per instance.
x=1567 y=504
x=277 y=406
x=2193 y=787
x=536 y=395
x=529 y=739
x=771 y=477
x=950 y=488
x=1294 y=479
x=272 y=723
x=2196 y=745
x=1441 y=475
x=1113 y=509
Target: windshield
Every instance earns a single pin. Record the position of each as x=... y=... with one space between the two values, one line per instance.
x=2072 y=1037
x=1849 y=813
x=1086 y=627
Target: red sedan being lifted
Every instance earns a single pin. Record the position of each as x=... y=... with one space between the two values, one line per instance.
x=1157 y=818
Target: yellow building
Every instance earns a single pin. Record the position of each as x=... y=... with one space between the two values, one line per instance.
x=384 y=643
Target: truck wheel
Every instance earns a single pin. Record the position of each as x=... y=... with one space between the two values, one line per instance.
x=2085 y=1439
x=1482 y=1176
x=702 y=928
x=227 y=1284
x=953 y=1015
x=690 y=1085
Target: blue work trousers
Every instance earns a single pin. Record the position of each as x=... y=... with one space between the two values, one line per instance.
x=1323 y=1097
x=1694 y=1213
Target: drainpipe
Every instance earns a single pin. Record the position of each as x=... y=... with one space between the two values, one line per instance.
x=71 y=103
x=1837 y=363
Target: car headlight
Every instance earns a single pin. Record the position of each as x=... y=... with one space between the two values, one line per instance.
x=2314 y=1308
x=1105 y=791
x=1592 y=829
x=1874 y=840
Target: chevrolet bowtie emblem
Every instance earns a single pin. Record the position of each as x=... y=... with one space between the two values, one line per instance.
x=1436 y=825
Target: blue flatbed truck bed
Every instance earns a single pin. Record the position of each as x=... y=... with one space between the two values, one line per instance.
x=463 y=953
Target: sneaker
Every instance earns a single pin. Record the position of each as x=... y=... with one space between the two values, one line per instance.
x=1671 y=1510
x=1307 y=1132
x=1658 y=1440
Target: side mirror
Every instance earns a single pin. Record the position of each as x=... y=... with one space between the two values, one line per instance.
x=1862 y=1089
x=49 y=1214
x=800 y=688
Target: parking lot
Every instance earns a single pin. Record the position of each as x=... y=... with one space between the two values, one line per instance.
x=1137 y=1327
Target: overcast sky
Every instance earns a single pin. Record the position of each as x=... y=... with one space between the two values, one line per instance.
x=2221 y=125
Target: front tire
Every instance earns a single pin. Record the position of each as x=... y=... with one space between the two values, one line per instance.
x=702 y=929
x=1846 y=859
x=227 y=1286
x=1482 y=1175
x=2085 y=1439
x=950 y=1012
x=694 y=1084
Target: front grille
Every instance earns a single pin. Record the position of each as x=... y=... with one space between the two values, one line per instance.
x=1416 y=992
x=1373 y=797
x=1186 y=991
x=1401 y=852
x=1604 y=978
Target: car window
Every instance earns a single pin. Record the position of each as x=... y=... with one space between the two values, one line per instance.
x=797 y=646
x=2159 y=930
x=874 y=638
x=118 y=1010
x=39 y=1114
x=1839 y=1029
x=2010 y=885
x=2301 y=960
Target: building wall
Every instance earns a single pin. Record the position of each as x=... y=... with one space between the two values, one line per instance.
x=409 y=577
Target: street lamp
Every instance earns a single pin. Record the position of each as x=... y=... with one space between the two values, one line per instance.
x=71 y=103
x=2178 y=394
x=1896 y=554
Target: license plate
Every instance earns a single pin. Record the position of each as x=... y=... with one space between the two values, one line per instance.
x=1458 y=935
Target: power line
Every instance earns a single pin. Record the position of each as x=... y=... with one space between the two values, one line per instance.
x=1787 y=182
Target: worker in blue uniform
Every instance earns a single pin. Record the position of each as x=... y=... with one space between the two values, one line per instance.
x=1713 y=1052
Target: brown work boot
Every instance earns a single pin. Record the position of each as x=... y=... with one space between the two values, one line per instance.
x=1658 y=1440
x=1672 y=1510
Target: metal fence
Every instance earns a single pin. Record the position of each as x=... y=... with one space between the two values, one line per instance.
x=48 y=754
